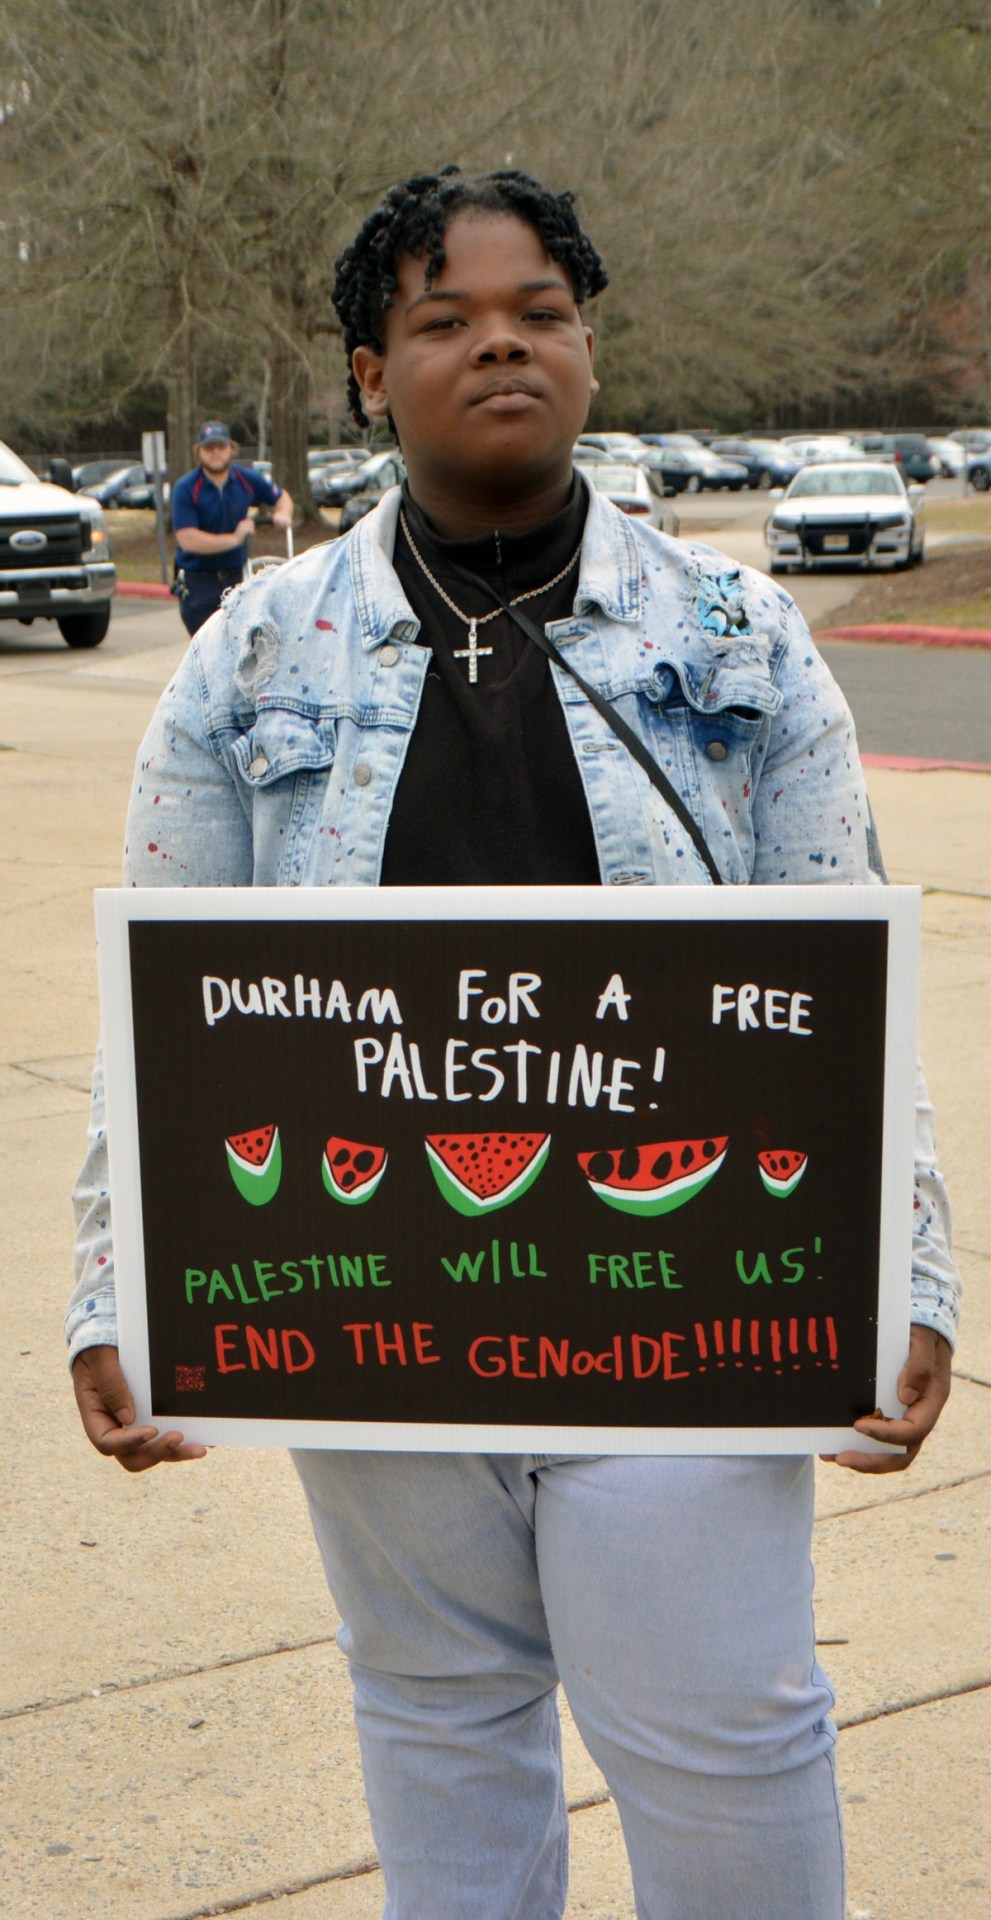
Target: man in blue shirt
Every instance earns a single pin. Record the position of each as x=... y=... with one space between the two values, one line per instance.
x=212 y=523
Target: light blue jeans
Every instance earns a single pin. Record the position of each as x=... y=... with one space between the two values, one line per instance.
x=672 y=1598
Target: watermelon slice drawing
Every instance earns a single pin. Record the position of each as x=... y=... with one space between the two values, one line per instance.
x=255 y=1161
x=653 y=1179
x=352 y=1171
x=781 y=1169
x=478 y=1172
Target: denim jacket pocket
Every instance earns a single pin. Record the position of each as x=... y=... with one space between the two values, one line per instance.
x=284 y=740
x=729 y=704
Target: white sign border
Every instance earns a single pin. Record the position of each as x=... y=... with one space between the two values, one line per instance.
x=899 y=907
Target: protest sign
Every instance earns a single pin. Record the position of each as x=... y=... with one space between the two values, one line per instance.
x=564 y=1170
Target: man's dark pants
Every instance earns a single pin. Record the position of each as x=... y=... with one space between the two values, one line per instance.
x=200 y=595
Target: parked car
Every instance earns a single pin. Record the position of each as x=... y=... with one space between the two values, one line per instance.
x=911 y=453
x=319 y=457
x=689 y=466
x=979 y=470
x=55 y=559
x=387 y=471
x=616 y=446
x=142 y=493
x=334 y=485
x=975 y=439
x=109 y=489
x=949 y=453
x=627 y=486
x=90 y=472
x=767 y=464
x=847 y=514
x=813 y=447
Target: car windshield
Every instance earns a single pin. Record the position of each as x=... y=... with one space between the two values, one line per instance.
x=836 y=481
x=13 y=472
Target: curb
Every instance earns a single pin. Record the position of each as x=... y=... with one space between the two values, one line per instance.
x=911 y=634
x=909 y=763
x=144 y=590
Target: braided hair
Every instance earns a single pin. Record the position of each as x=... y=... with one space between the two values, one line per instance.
x=413 y=218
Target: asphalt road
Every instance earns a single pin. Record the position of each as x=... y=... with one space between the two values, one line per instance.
x=927 y=703
x=913 y=702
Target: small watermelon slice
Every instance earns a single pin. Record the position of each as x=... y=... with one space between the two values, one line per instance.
x=477 y=1172
x=255 y=1161
x=653 y=1179
x=351 y=1170
x=781 y=1169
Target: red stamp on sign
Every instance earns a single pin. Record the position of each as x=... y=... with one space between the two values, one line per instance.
x=190 y=1379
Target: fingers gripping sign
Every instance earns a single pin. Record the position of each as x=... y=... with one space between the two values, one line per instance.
x=106 y=1408
x=923 y=1389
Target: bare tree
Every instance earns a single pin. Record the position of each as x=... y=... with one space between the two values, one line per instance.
x=792 y=195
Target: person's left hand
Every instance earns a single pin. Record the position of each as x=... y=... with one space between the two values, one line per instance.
x=281 y=520
x=923 y=1389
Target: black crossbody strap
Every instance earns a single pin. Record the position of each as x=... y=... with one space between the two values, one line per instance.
x=631 y=741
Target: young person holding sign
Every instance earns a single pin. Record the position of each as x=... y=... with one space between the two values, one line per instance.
x=383 y=712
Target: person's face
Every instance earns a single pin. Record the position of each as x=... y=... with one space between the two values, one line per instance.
x=487 y=372
x=216 y=457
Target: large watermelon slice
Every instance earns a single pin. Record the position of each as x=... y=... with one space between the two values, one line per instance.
x=255 y=1161
x=781 y=1169
x=477 y=1172
x=352 y=1171
x=653 y=1179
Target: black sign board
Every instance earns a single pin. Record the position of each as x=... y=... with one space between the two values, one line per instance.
x=503 y=1170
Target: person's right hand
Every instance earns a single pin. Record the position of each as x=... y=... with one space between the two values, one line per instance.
x=243 y=531
x=106 y=1408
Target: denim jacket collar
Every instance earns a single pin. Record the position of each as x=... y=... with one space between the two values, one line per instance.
x=610 y=575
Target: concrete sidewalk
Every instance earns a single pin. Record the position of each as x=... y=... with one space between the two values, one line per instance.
x=177 y=1739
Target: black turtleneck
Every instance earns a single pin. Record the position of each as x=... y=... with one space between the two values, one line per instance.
x=490 y=793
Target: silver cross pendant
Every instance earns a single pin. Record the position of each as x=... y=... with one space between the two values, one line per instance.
x=471 y=652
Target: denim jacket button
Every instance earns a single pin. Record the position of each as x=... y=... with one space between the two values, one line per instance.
x=389 y=656
x=362 y=775
x=259 y=765
x=716 y=750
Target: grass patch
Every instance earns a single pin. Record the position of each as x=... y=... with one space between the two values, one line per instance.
x=950 y=590
x=972 y=515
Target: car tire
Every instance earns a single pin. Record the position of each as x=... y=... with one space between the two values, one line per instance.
x=915 y=559
x=85 y=629
x=980 y=479
x=693 y=484
x=765 y=479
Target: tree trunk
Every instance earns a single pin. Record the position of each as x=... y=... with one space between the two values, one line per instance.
x=264 y=405
x=181 y=420
x=290 y=426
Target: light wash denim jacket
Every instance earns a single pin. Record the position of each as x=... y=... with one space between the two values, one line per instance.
x=273 y=757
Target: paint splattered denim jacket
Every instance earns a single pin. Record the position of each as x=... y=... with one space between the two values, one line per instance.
x=273 y=758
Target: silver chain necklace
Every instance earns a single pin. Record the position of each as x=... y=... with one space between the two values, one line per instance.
x=472 y=651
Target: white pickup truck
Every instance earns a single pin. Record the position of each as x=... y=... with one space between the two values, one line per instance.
x=55 y=560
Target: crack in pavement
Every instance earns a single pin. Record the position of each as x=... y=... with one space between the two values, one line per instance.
x=112 y=1688
x=352 y=1870
x=982 y=1685
x=917 y=1493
